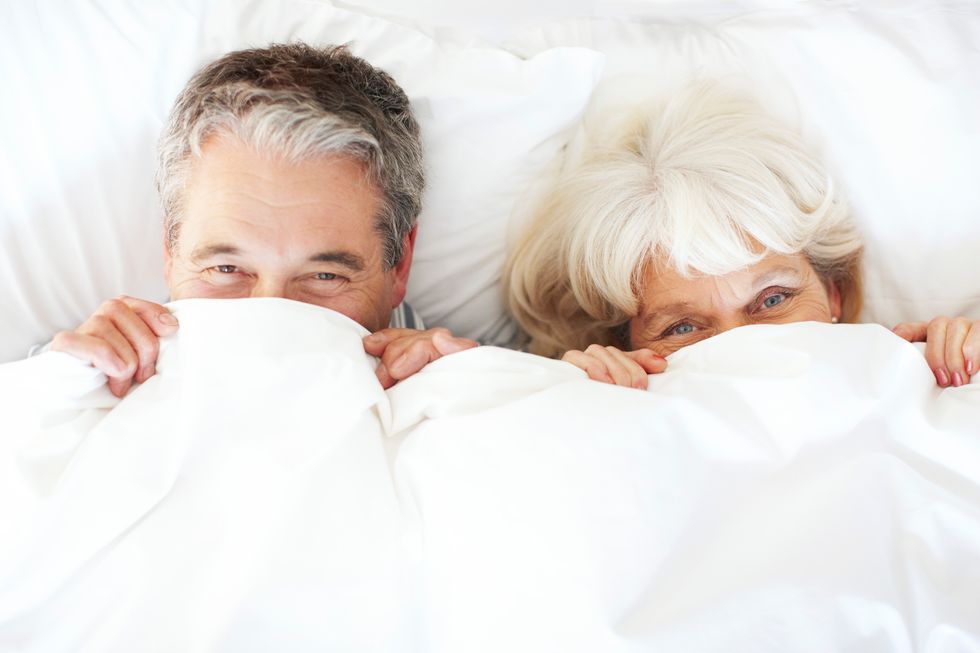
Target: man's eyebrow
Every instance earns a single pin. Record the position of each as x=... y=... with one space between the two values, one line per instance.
x=347 y=259
x=217 y=249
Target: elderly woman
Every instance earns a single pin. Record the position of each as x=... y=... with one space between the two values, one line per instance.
x=698 y=217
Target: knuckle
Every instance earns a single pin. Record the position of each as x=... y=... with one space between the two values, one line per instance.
x=113 y=305
x=593 y=349
x=420 y=346
x=99 y=323
x=443 y=330
x=61 y=339
x=594 y=368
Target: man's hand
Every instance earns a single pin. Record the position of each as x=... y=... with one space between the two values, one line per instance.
x=121 y=339
x=952 y=347
x=610 y=365
x=403 y=352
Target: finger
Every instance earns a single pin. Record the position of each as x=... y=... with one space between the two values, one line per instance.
x=956 y=333
x=140 y=337
x=616 y=369
x=651 y=362
x=384 y=377
x=416 y=356
x=936 y=350
x=593 y=367
x=161 y=321
x=971 y=349
x=120 y=386
x=911 y=331
x=638 y=375
x=445 y=343
x=103 y=352
x=96 y=351
x=375 y=343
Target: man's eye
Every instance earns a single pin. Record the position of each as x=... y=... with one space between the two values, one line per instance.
x=226 y=269
x=325 y=276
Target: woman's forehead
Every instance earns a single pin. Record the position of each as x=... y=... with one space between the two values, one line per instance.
x=664 y=285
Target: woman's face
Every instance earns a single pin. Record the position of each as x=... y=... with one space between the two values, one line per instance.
x=678 y=311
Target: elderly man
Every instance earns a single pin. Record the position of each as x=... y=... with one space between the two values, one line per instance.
x=288 y=171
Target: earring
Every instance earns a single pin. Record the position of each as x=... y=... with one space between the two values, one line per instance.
x=833 y=319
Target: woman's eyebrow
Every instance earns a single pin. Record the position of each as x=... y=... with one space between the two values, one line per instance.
x=665 y=311
x=784 y=273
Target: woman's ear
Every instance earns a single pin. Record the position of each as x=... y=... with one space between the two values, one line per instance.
x=835 y=300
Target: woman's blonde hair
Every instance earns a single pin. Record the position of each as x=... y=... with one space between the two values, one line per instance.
x=707 y=182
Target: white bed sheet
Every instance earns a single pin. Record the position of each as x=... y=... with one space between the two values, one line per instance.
x=794 y=488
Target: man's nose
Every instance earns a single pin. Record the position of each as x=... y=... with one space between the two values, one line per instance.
x=270 y=288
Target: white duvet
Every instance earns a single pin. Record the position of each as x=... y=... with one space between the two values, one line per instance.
x=794 y=488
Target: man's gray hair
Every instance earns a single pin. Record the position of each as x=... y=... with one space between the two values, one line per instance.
x=300 y=102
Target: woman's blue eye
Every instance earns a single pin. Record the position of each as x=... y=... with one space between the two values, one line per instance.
x=773 y=300
x=325 y=276
x=682 y=329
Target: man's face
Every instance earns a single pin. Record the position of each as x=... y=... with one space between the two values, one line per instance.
x=258 y=226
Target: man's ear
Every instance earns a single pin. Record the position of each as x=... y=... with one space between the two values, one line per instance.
x=402 y=268
x=168 y=261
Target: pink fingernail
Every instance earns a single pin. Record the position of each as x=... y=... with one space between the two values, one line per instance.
x=942 y=378
x=957 y=379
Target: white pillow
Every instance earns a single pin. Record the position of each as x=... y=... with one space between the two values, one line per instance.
x=888 y=97
x=86 y=93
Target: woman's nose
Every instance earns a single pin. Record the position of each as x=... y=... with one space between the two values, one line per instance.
x=731 y=322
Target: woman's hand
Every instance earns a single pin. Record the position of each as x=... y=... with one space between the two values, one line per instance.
x=610 y=365
x=952 y=347
x=403 y=352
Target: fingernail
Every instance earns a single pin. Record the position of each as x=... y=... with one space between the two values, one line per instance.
x=167 y=318
x=942 y=378
x=957 y=379
x=969 y=367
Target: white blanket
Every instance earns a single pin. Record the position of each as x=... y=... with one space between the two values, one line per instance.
x=795 y=488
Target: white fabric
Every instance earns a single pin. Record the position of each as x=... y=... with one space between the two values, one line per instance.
x=779 y=488
x=887 y=92
x=87 y=87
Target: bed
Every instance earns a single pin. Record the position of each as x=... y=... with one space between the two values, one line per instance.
x=796 y=488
